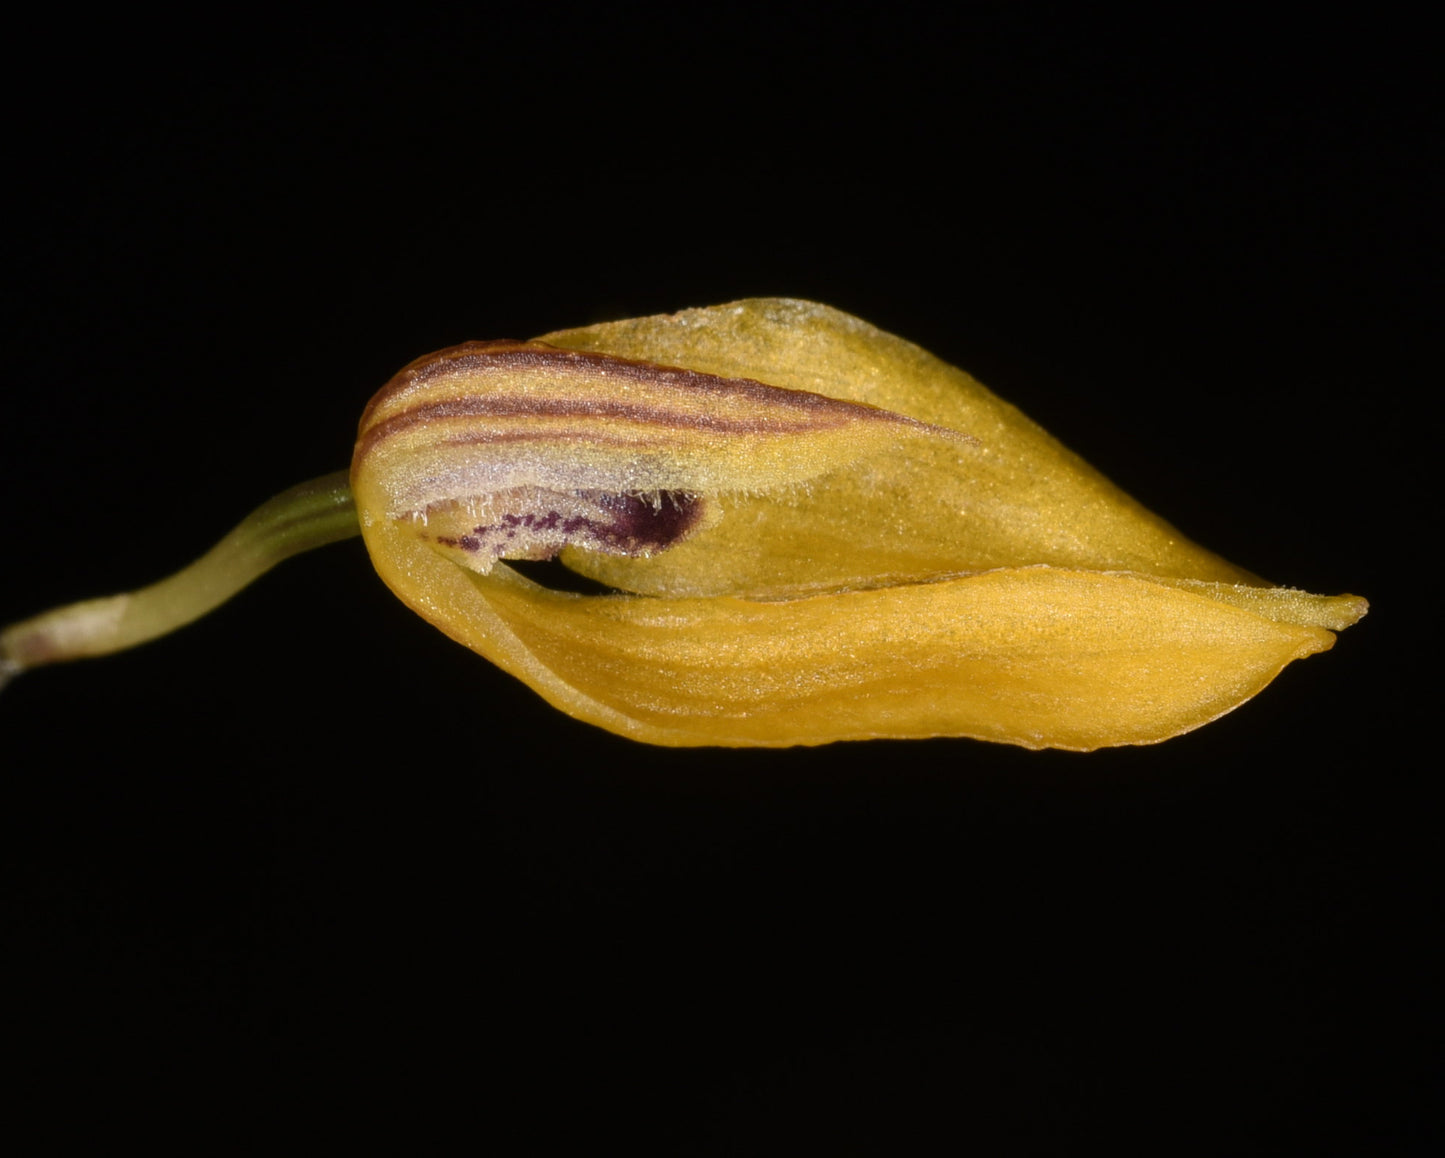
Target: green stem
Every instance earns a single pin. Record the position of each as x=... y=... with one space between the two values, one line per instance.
x=310 y=515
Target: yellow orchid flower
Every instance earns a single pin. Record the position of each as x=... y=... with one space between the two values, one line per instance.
x=816 y=532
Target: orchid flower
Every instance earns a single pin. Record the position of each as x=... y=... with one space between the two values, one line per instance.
x=814 y=531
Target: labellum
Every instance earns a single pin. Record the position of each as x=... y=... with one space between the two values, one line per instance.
x=814 y=531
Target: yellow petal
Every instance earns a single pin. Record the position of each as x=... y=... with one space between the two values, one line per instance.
x=1040 y=656
x=930 y=506
x=507 y=449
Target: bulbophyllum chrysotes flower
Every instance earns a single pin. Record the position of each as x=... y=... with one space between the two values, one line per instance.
x=814 y=531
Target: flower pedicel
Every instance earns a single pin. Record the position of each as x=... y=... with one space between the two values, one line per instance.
x=815 y=531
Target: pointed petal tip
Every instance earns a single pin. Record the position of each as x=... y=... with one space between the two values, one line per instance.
x=1352 y=609
x=1280 y=604
x=1332 y=612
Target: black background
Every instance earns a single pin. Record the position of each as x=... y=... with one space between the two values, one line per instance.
x=309 y=859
